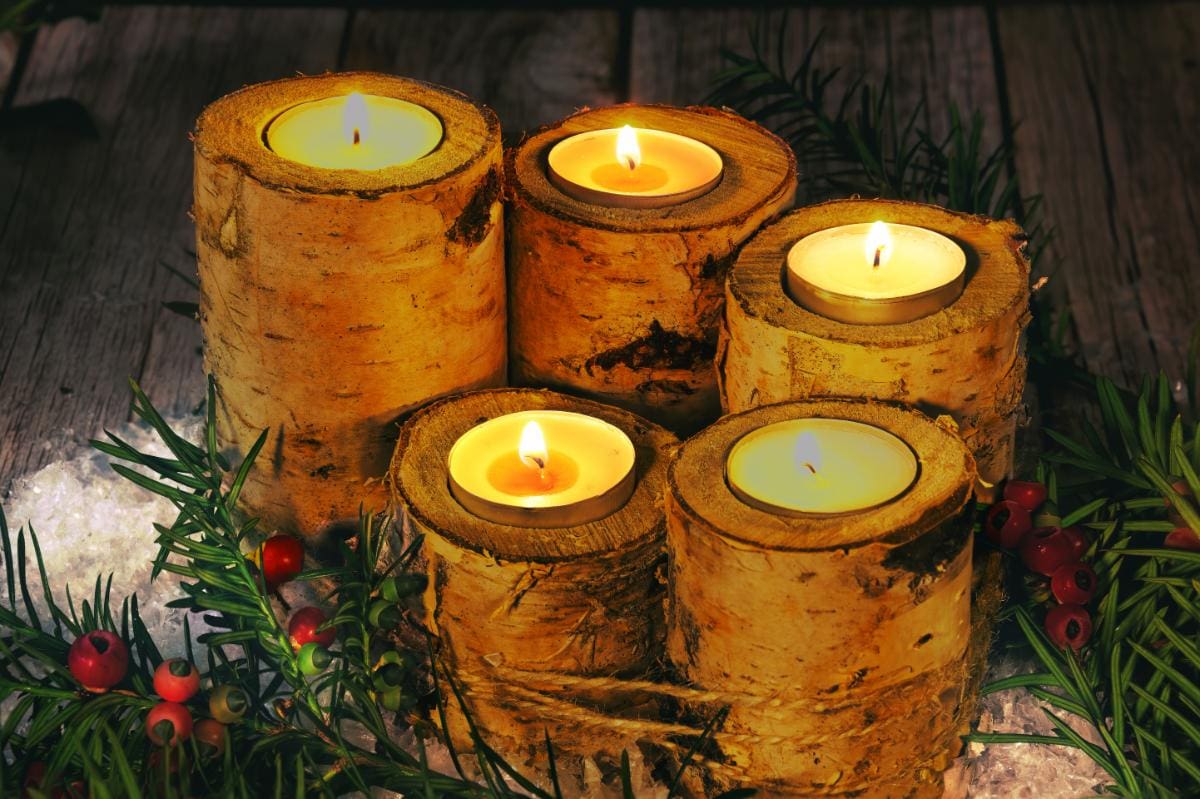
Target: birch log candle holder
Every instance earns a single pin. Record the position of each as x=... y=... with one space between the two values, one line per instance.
x=577 y=600
x=343 y=282
x=851 y=629
x=617 y=295
x=963 y=357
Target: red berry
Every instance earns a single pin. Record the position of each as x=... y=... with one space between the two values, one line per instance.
x=1073 y=583
x=281 y=558
x=1079 y=541
x=35 y=774
x=302 y=628
x=76 y=790
x=1068 y=625
x=168 y=722
x=176 y=680
x=1027 y=494
x=99 y=660
x=1183 y=538
x=1181 y=488
x=210 y=735
x=1007 y=523
x=1045 y=549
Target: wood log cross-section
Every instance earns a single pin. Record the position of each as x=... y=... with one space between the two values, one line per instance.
x=855 y=626
x=584 y=600
x=621 y=304
x=967 y=360
x=334 y=302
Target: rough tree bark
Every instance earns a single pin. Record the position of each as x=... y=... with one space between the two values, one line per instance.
x=855 y=627
x=621 y=304
x=582 y=600
x=967 y=360
x=334 y=302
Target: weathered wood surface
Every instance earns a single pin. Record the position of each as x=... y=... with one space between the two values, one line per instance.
x=531 y=67
x=1107 y=102
x=96 y=215
x=1105 y=97
x=87 y=222
x=944 y=52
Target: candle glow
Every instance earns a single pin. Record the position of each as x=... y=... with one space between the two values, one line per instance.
x=629 y=167
x=819 y=467
x=355 y=131
x=628 y=150
x=542 y=468
x=875 y=273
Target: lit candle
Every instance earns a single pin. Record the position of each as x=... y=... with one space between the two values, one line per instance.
x=876 y=273
x=363 y=132
x=542 y=469
x=630 y=168
x=819 y=467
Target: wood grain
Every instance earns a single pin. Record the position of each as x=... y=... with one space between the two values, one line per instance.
x=8 y=57
x=870 y=671
x=1106 y=121
x=419 y=481
x=941 y=52
x=623 y=305
x=92 y=219
x=531 y=67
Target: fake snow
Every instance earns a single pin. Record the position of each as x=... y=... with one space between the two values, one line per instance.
x=91 y=521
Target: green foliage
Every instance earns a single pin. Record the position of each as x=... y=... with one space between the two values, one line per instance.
x=859 y=140
x=1137 y=682
x=22 y=16
x=295 y=739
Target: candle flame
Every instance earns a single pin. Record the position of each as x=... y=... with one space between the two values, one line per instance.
x=879 y=245
x=808 y=453
x=628 y=151
x=532 y=447
x=354 y=118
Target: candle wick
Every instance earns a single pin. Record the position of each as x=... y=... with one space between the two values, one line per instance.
x=878 y=256
x=540 y=463
x=358 y=138
x=632 y=164
x=810 y=468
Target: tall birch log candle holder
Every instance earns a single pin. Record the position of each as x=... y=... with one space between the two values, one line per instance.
x=618 y=295
x=848 y=630
x=343 y=282
x=954 y=349
x=580 y=599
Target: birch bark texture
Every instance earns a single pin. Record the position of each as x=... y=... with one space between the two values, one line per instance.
x=848 y=634
x=623 y=305
x=334 y=302
x=967 y=360
x=585 y=600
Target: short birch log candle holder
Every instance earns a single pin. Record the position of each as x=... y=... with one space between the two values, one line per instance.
x=848 y=631
x=336 y=300
x=622 y=304
x=966 y=359
x=578 y=600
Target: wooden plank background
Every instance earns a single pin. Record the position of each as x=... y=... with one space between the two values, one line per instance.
x=1106 y=99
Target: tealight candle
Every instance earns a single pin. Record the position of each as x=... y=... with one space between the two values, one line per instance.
x=630 y=168
x=542 y=469
x=819 y=467
x=364 y=132
x=876 y=273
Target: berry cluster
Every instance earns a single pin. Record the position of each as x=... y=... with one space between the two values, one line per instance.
x=1049 y=551
x=1059 y=553
x=99 y=660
